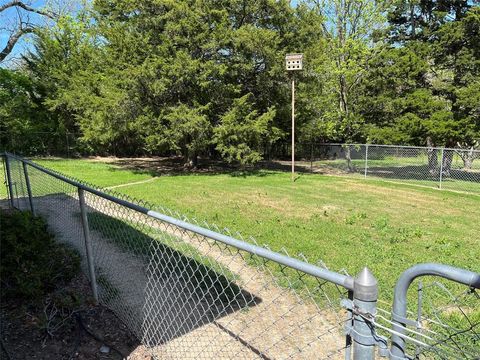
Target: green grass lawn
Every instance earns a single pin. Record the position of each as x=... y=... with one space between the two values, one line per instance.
x=345 y=222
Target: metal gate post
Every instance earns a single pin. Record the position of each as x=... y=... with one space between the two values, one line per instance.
x=29 y=189
x=365 y=295
x=9 y=180
x=399 y=308
x=88 y=245
x=366 y=160
x=441 y=168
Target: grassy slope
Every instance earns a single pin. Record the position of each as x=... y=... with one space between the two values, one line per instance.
x=347 y=223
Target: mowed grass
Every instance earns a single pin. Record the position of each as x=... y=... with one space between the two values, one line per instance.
x=98 y=173
x=345 y=222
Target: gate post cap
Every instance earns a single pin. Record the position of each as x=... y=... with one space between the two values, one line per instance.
x=365 y=286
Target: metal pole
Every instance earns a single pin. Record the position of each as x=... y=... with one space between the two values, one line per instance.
x=366 y=160
x=88 y=245
x=419 y=318
x=293 y=127
x=399 y=309
x=68 y=146
x=311 y=157
x=29 y=189
x=348 y=337
x=365 y=294
x=9 y=180
x=441 y=168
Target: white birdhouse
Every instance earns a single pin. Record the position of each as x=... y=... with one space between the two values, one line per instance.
x=294 y=62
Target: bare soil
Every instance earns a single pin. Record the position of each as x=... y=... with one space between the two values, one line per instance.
x=82 y=333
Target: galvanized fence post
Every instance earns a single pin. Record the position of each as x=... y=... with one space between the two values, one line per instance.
x=9 y=180
x=349 y=327
x=29 y=189
x=311 y=157
x=399 y=308
x=88 y=245
x=366 y=160
x=365 y=296
x=441 y=167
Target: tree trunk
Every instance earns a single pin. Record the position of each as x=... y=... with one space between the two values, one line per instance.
x=467 y=157
x=194 y=160
x=190 y=159
x=348 y=156
x=447 y=162
x=468 y=161
x=432 y=157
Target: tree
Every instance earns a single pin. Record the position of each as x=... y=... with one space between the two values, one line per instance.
x=424 y=76
x=60 y=55
x=25 y=119
x=182 y=129
x=348 y=26
x=23 y=25
x=242 y=132
x=186 y=57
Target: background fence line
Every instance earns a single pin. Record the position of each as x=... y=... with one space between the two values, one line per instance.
x=190 y=291
x=434 y=167
x=443 y=168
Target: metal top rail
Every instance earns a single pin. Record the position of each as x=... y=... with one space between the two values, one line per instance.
x=401 y=146
x=325 y=274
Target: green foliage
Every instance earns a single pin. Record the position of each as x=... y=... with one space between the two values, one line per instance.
x=32 y=263
x=182 y=129
x=242 y=130
x=164 y=77
x=24 y=116
x=426 y=74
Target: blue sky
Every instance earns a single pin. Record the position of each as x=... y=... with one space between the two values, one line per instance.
x=9 y=19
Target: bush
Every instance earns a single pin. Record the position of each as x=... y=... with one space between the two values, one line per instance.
x=32 y=264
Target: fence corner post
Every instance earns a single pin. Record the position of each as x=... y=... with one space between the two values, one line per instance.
x=9 y=180
x=365 y=296
x=29 y=188
x=88 y=244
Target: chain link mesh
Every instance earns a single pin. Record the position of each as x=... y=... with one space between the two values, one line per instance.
x=450 y=169
x=18 y=186
x=444 y=321
x=186 y=296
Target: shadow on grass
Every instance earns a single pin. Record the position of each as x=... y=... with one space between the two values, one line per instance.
x=174 y=166
x=185 y=288
x=408 y=172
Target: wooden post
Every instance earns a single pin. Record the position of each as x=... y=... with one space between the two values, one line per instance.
x=293 y=127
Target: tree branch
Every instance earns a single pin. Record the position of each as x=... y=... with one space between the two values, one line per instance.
x=20 y=4
x=13 y=40
x=15 y=37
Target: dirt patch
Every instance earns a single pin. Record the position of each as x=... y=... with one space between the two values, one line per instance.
x=80 y=335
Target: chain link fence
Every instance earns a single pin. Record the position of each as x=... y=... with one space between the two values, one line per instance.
x=440 y=168
x=189 y=290
x=45 y=143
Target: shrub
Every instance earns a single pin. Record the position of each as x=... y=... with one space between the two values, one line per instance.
x=32 y=264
